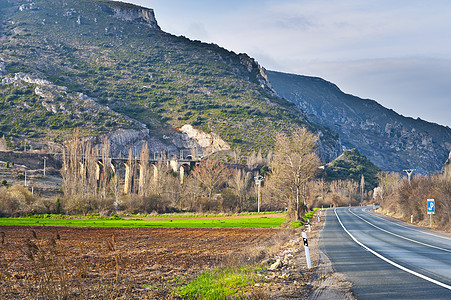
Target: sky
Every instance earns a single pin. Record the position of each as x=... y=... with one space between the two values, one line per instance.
x=395 y=52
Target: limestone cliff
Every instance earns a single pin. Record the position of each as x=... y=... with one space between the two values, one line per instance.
x=210 y=142
x=257 y=71
x=129 y=12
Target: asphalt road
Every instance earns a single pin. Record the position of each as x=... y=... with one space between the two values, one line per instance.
x=385 y=258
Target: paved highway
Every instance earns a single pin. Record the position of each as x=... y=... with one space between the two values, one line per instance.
x=385 y=258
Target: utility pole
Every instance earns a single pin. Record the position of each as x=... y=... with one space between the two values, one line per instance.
x=258 y=181
x=409 y=173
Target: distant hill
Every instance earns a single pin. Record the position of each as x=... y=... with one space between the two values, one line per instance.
x=107 y=67
x=391 y=141
x=352 y=165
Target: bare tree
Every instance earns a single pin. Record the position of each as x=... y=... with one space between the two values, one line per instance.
x=240 y=182
x=294 y=164
x=144 y=171
x=211 y=174
x=105 y=169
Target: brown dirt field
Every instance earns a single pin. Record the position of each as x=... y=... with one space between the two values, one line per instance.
x=142 y=263
x=138 y=263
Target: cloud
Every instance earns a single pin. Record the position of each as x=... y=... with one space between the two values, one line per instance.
x=198 y=31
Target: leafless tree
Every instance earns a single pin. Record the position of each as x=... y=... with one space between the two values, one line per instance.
x=239 y=182
x=294 y=164
x=211 y=175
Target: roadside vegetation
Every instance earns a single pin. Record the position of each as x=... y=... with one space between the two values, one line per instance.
x=404 y=199
x=220 y=283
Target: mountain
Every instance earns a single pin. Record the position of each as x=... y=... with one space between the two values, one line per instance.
x=107 y=68
x=391 y=141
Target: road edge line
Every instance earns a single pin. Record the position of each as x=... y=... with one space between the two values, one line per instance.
x=400 y=236
x=390 y=261
x=415 y=228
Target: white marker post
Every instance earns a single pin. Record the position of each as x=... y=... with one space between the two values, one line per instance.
x=307 y=251
x=411 y=219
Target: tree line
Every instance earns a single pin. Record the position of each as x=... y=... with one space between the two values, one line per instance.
x=292 y=182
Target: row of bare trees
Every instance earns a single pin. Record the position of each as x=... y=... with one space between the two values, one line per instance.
x=212 y=185
x=92 y=183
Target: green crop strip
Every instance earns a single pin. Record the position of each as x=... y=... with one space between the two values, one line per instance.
x=261 y=222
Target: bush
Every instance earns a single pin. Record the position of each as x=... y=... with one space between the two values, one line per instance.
x=409 y=198
x=80 y=204
x=140 y=204
x=16 y=199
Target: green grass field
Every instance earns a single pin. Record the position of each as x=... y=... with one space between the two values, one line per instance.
x=261 y=222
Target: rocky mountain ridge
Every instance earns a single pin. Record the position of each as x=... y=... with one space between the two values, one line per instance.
x=109 y=69
x=391 y=141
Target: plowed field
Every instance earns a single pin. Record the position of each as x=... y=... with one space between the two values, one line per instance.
x=102 y=263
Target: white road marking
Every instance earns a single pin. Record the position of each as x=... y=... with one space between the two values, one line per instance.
x=390 y=261
x=411 y=228
x=400 y=236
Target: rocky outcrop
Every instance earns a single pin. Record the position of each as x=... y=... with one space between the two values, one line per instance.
x=2 y=68
x=133 y=13
x=210 y=142
x=391 y=141
x=257 y=72
x=181 y=143
x=25 y=78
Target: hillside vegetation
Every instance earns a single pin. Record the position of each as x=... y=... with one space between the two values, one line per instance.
x=133 y=70
x=352 y=165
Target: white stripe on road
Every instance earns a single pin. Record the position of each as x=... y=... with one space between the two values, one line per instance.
x=411 y=228
x=400 y=236
x=390 y=261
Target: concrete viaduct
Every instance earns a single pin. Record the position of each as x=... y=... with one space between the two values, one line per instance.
x=134 y=168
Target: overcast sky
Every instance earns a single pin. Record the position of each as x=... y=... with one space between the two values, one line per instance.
x=395 y=52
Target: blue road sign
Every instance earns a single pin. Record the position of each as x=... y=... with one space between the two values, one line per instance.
x=431 y=206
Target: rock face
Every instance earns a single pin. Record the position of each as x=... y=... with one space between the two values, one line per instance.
x=2 y=68
x=129 y=12
x=391 y=141
x=258 y=72
x=210 y=142
x=181 y=143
